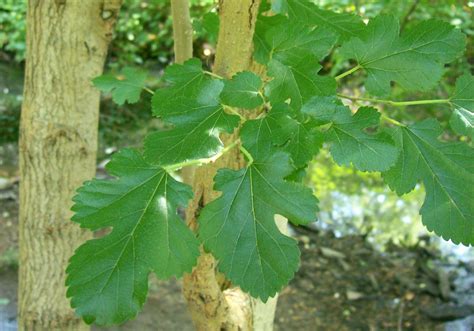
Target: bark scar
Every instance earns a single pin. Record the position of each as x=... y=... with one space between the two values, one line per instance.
x=251 y=14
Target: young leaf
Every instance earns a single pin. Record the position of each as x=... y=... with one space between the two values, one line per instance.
x=108 y=277
x=191 y=105
x=125 y=87
x=446 y=170
x=306 y=12
x=297 y=79
x=243 y=91
x=462 y=120
x=415 y=60
x=239 y=227
x=349 y=143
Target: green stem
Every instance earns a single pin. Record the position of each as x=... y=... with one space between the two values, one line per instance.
x=148 y=90
x=348 y=72
x=247 y=154
x=235 y=112
x=177 y=166
x=213 y=74
x=392 y=121
x=396 y=103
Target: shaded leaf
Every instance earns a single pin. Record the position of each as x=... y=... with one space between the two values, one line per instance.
x=243 y=91
x=446 y=170
x=349 y=143
x=415 y=60
x=277 y=37
x=125 y=87
x=345 y=25
x=297 y=80
x=191 y=106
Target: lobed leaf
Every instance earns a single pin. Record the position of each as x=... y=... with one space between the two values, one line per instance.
x=191 y=106
x=277 y=37
x=447 y=171
x=125 y=87
x=107 y=278
x=239 y=227
x=462 y=120
x=415 y=59
x=345 y=25
x=243 y=91
x=349 y=143
x=297 y=80
x=282 y=130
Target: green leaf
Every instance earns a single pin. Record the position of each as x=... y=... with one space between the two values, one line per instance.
x=125 y=87
x=191 y=106
x=277 y=37
x=260 y=136
x=297 y=80
x=446 y=170
x=281 y=130
x=108 y=277
x=303 y=141
x=306 y=12
x=349 y=143
x=243 y=91
x=239 y=227
x=415 y=60
x=463 y=96
x=462 y=120
x=207 y=27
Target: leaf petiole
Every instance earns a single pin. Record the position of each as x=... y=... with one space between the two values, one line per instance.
x=396 y=103
x=247 y=155
x=148 y=90
x=234 y=111
x=348 y=72
x=213 y=74
x=392 y=121
x=198 y=162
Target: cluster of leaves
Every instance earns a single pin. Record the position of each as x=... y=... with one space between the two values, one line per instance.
x=297 y=113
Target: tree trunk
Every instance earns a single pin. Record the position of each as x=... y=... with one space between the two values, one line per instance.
x=66 y=47
x=211 y=304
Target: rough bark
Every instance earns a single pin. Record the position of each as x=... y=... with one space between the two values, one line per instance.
x=213 y=307
x=66 y=47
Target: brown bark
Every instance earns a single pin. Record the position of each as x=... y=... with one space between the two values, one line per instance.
x=212 y=308
x=67 y=44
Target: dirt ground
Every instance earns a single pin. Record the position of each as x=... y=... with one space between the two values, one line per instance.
x=343 y=284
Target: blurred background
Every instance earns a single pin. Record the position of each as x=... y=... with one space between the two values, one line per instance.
x=367 y=263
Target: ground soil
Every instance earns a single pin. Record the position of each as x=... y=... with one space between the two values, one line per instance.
x=343 y=284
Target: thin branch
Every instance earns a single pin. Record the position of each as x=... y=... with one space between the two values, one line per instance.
x=148 y=90
x=348 y=72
